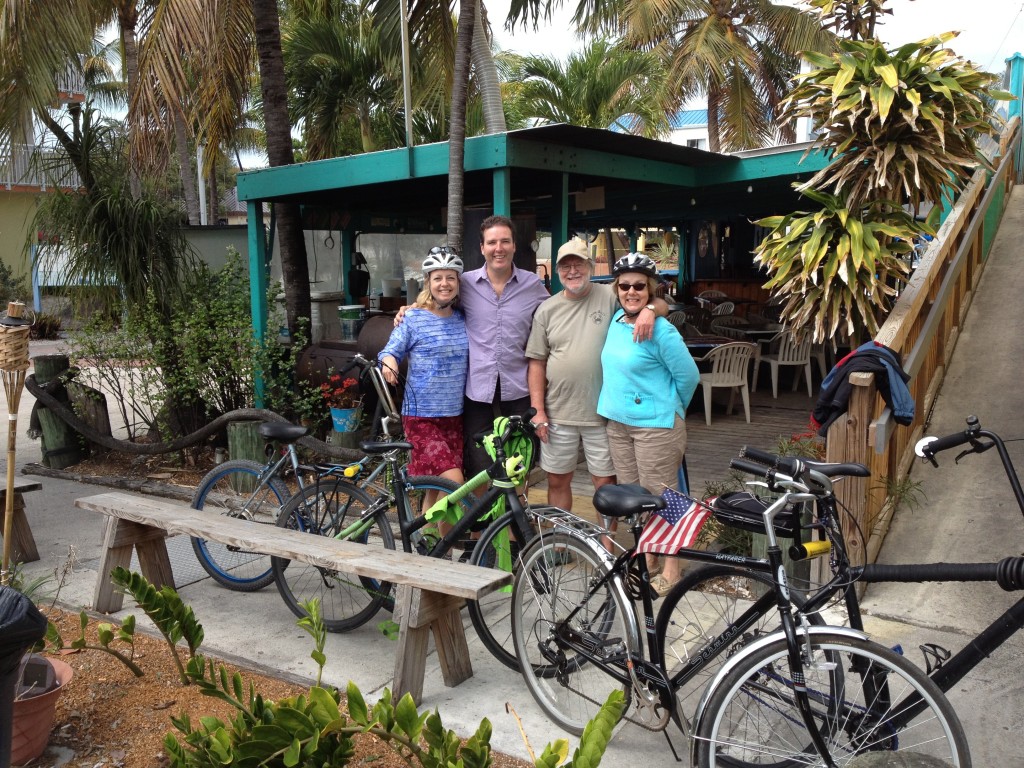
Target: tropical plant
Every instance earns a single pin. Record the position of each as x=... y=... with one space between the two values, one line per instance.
x=738 y=54
x=314 y=730
x=837 y=268
x=901 y=128
x=852 y=19
x=901 y=124
x=341 y=392
x=602 y=86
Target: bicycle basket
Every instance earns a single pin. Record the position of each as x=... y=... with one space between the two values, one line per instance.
x=741 y=509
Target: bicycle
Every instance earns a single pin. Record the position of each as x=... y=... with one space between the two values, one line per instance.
x=943 y=669
x=577 y=636
x=336 y=508
x=247 y=489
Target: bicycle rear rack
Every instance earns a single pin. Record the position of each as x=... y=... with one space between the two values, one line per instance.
x=559 y=520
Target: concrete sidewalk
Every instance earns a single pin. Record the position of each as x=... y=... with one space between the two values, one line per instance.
x=970 y=516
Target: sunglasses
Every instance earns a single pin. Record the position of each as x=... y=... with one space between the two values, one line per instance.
x=624 y=287
x=439 y=249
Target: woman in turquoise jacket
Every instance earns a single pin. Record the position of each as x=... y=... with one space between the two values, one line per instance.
x=646 y=390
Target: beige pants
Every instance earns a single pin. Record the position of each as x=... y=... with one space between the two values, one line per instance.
x=648 y=456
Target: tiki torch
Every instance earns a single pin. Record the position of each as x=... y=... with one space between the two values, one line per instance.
x=14 y=328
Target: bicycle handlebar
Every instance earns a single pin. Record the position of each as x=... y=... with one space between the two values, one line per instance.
x=928 y=446
x=1008 y=573
x=791 y=465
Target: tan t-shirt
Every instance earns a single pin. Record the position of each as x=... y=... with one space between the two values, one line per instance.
x=569 y=335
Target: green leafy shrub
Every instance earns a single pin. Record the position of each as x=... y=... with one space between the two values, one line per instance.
x=46 y=326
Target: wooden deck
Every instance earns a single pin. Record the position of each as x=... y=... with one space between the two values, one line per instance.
x=709 y=449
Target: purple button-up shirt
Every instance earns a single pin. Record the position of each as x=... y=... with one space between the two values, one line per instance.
x=498 y=329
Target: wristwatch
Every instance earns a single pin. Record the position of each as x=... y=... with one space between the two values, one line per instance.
x=650 y=307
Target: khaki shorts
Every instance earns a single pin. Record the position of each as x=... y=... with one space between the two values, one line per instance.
x=560 y=454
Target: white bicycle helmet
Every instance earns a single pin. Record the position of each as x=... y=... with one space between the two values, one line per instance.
x=442 y=257
x=635 y=262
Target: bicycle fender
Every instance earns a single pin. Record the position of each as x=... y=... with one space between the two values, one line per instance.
x=747 y=650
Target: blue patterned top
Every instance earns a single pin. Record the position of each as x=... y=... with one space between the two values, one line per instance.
x=438 y=352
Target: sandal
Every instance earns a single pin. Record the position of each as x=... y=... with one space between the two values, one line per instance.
x=661 y=585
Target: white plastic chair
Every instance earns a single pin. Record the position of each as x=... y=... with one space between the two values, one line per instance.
x=729 y=365
x=725 y=308
x=709 y=294
x=678 y=319
x=792 y=351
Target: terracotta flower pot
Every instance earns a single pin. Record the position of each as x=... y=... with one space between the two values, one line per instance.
x=33 y=718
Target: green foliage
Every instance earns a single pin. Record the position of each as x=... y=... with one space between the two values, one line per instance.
x=838 y=268
x=900 y=493
x=166 y=610
x=900 y=124
x=12 y=288
x=202 y=355
x=118 y=359
x=106 y=635
x=46 y=326
x=313 y=623
x=313 y=729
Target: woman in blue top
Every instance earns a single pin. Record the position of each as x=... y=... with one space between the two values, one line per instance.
x=646 y=389
x=433 y=338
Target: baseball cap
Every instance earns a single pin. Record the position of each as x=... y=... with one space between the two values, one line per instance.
x=574 y=247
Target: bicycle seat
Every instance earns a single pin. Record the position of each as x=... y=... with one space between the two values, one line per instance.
x=375 y=449
x=278 y=430
x=625 y=500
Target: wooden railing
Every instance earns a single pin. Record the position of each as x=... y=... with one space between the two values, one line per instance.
x=923 y=327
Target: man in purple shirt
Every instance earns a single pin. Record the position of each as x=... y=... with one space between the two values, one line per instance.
x=499 y=300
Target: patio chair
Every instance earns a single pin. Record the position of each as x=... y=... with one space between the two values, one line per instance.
x=794 y=351
x=678 y=319
x=729 y=365
x=709 y=294
x=725 y=308
x=698 y=317
x=729 y=326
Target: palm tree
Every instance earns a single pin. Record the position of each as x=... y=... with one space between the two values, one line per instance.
x=601 y=86
x=738 y=54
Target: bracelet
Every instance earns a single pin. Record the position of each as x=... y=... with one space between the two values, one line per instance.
x=536 y=424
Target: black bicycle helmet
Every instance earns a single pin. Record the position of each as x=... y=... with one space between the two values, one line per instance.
x=635 y=262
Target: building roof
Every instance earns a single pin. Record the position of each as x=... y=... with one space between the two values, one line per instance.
x=609 y=179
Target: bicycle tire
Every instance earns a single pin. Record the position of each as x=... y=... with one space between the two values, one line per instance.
x=416 y=488
x=326 y=508
x=696 y=612
x=492 y=614
x=557 y=573
x=229 y=489
x=752 y=718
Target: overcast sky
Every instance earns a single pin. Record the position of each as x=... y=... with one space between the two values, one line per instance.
x=990 y=30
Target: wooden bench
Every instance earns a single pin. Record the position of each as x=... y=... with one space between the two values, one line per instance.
x=430 y=592
x=23 y=546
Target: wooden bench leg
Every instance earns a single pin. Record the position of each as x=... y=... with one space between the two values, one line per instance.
x=419 y=613
x=118 y=540
x=23 y=546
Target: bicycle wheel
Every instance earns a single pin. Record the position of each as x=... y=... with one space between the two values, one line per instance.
x=858 y=693
x=230 y=489
x=330 y=508
x=557 y=574
x=498 y=547
x=416 y=488
x=698 y=610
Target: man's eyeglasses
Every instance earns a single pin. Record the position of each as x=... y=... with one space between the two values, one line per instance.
x=437 y=250
x=624 y=287
x=569 y=266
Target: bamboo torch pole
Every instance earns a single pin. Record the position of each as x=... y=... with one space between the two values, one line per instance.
x=14 y=330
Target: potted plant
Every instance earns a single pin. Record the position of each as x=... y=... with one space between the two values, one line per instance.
x=345 y=399
x=41 y=681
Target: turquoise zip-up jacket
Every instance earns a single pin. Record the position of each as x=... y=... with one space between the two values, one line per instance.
x=646 y=384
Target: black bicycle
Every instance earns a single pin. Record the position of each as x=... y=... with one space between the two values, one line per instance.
x=578 y=636
x=488 y=531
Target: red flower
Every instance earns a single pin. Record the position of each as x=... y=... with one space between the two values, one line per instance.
x=341 y=393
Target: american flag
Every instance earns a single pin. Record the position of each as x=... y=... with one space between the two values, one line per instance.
x=674 y=527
